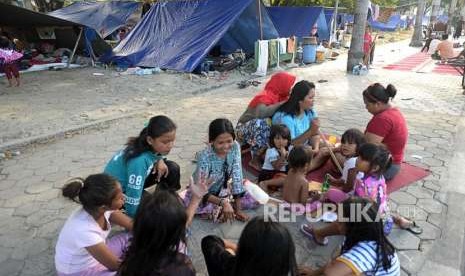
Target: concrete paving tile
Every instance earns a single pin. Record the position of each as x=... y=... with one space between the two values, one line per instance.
x=430 y=205
x=402 y=198
x=419 y=192
x=11 y=267
x=403 y=240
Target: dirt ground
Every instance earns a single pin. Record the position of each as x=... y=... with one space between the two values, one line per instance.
x=71 y=98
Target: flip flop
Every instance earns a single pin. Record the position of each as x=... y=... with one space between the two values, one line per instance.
x=308 y=232
x=413 y=228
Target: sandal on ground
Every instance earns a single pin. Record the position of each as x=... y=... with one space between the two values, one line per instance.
x=412 y=228
x=308 y=232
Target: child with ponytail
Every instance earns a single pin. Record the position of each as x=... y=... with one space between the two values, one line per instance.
x=144 y=157
x=82 y=247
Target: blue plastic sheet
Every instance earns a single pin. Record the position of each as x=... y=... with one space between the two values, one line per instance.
x=343 y=18
x=299 y=21
x=390 y=26
x=329 y=13
x=178 y=34
x=103 y=17
x=245 y=30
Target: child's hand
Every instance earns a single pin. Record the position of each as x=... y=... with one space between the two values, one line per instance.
x=161 y=169
x=200 y=189
x=228 y=212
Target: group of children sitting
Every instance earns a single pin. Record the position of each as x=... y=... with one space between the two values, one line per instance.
x=157 y=223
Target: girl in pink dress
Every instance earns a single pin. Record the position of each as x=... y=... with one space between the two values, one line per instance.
x=8 y=58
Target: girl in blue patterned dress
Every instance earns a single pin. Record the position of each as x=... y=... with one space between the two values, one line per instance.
x=221 y=162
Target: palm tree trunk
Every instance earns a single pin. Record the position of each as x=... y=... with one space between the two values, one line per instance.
x=453 y=5
x=416 y=37
x=355 y=55
x=436 y=4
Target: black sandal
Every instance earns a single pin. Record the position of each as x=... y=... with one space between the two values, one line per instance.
x=413 y=228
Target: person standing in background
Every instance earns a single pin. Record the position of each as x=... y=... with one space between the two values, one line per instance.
x=146 y=7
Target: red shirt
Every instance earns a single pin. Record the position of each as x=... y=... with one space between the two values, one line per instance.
x=391 y=125
x=367 y=40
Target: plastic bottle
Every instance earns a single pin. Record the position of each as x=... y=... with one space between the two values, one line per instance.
x=256 y=192
x=325 y=186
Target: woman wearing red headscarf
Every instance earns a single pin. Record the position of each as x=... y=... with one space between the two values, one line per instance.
x=253 y=127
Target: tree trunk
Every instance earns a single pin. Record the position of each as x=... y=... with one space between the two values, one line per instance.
x=355 y=55
x=416 y=37
x=453 y=5
x=436 y=4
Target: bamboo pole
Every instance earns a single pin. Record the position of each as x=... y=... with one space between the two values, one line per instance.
x=75 y=48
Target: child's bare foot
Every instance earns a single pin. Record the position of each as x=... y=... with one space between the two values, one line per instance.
x=17 y=82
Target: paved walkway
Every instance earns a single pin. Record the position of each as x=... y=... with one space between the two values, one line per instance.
x=32 y=211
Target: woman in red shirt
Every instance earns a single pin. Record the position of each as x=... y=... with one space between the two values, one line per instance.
x=388 y=125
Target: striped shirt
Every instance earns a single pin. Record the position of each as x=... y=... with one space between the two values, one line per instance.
x=362 y=259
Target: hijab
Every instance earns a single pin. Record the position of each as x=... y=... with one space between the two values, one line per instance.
x=277 y=89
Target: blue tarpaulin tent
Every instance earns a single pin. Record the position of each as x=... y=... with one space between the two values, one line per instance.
x=343 y=18
x=178 y=34
x=103 y=17
x=329 y=14
x=391 y=25
x=299 y=21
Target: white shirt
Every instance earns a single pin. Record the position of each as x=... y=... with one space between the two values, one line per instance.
x=349 y=164
x=80 y=231
x=433 y=46
x=272 y=155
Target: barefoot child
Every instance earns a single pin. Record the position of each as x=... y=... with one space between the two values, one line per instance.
x=82 y=247
x=8 y=58
x=275 y=166
x=370 y=183
x=295 y=189
x=143 y=156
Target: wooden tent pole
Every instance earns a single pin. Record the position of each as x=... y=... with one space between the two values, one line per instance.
x=75 y=48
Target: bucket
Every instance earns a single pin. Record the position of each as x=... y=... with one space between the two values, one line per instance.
x=320 y=56
x=309 y=54
x=307 y=40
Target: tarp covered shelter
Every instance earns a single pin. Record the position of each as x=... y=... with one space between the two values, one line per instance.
x=343 y=18
x=390 y=26
x=329 y=14
x=103 y=17
x=14 y=16
x=178 y=34
x=24 y=23
x=298 y=21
